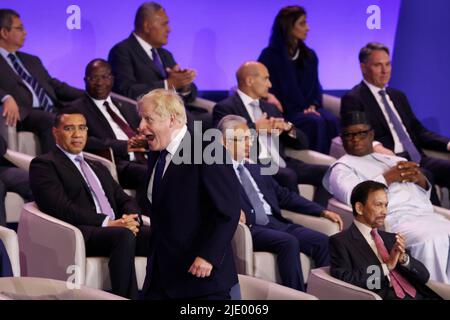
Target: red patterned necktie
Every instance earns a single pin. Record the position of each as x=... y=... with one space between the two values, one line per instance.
x=399 y=283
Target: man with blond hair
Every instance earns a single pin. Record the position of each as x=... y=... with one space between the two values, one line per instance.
x=194 y=208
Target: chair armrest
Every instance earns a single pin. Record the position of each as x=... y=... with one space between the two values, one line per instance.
x=49 y=247
x=322 y=285
x=442 y=289
x=242 y=245
x=320 y=224
x=259 y=289
x=437 y=154
x=20 y=160
x=310 y=156
x=332 y=104
x=344 y=210
x=442 y=211
x=208 y=105
x=9 y=239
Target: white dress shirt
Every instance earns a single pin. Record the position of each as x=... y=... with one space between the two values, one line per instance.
x=171 y=150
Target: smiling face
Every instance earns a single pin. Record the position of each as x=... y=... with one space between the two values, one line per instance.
x=71 y=133
x=373 y=212
x=99 y=81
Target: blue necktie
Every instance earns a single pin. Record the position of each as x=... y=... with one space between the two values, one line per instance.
x=260 y=214
x=44 y=100
x=158 y=63
x=159 y=171
x=401 y=132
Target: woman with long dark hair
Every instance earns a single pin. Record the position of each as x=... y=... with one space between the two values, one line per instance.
x=293 y=69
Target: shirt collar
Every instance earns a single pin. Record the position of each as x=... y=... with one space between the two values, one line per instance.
x=5 y=53
x=176 y=141
x=71 y=156
x=246 y=99
x=364 y=229
x=144 y=44
x=99 y=103
x=374 y=89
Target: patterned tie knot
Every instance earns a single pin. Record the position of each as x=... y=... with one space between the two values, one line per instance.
x=79 y=159
x=12 y=57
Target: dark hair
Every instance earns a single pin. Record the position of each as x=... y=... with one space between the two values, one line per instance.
x=361 y=192
x=59 y=115
x=367 y=50
x=283 y=25
x=6 y=16
x=143 y=12
x=90 y=65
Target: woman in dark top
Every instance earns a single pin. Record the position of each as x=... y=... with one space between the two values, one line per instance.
x=293 y=69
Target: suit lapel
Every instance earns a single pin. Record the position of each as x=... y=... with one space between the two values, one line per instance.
x=360 y=243
x=143 y=56
x=98 y=115
x=240 y=108
x=373 y=107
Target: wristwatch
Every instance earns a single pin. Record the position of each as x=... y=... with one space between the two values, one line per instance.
x=405 y=259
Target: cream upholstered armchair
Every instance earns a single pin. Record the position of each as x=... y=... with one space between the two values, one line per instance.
x=322 y=285
x=9 y=239
x=262 y=264
x=51 y=248
x=29 y=288
x=257 y=289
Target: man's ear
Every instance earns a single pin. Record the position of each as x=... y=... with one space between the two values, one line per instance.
x=359 y=208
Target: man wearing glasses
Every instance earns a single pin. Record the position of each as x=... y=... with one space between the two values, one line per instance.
x=410 y=211
x=83 y=193
x=28 y=94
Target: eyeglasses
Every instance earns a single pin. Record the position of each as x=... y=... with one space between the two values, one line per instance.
x=20 y=28
x=352 y=135
x=98 y=78
x=242 y=138
x=82 y=128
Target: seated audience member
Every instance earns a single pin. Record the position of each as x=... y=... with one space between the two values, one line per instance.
x=262 y=199
x=392 y=118
x=248 y=102
x=294 y=74
x=12 y=179
x=112 y=124
x=410 y=211
x=140 y=64
x=29 y=94
x=84 y=194
x=373 y=259
x=5 y=264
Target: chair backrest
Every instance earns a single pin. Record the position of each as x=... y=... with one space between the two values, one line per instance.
x=9 y=239
x=49 y=247
x=110 y=165
x=322 y=285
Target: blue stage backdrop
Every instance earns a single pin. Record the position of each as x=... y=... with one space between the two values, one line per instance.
x=213 y=37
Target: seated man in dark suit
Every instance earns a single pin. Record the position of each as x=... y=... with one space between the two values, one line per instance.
x=373 y=259
x=262 y=199
x=12 y=179
x=141 y=64
x=392 y=117
x=249 y=102
x=84 y=194
x=112 y=124
x=28 y=93
x=5 y=264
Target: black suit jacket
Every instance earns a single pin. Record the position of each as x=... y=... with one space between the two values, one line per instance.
x=234 y=105
x=60 y=190
x=360 y=98
x=351 y=255
x=101 y=136
x=277 y=197
x=195 y=213
x=135 y=73
x=11 y=83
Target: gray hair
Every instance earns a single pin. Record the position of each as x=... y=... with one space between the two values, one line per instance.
x=367 y=50
x=144 y=11
x=229 y=122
